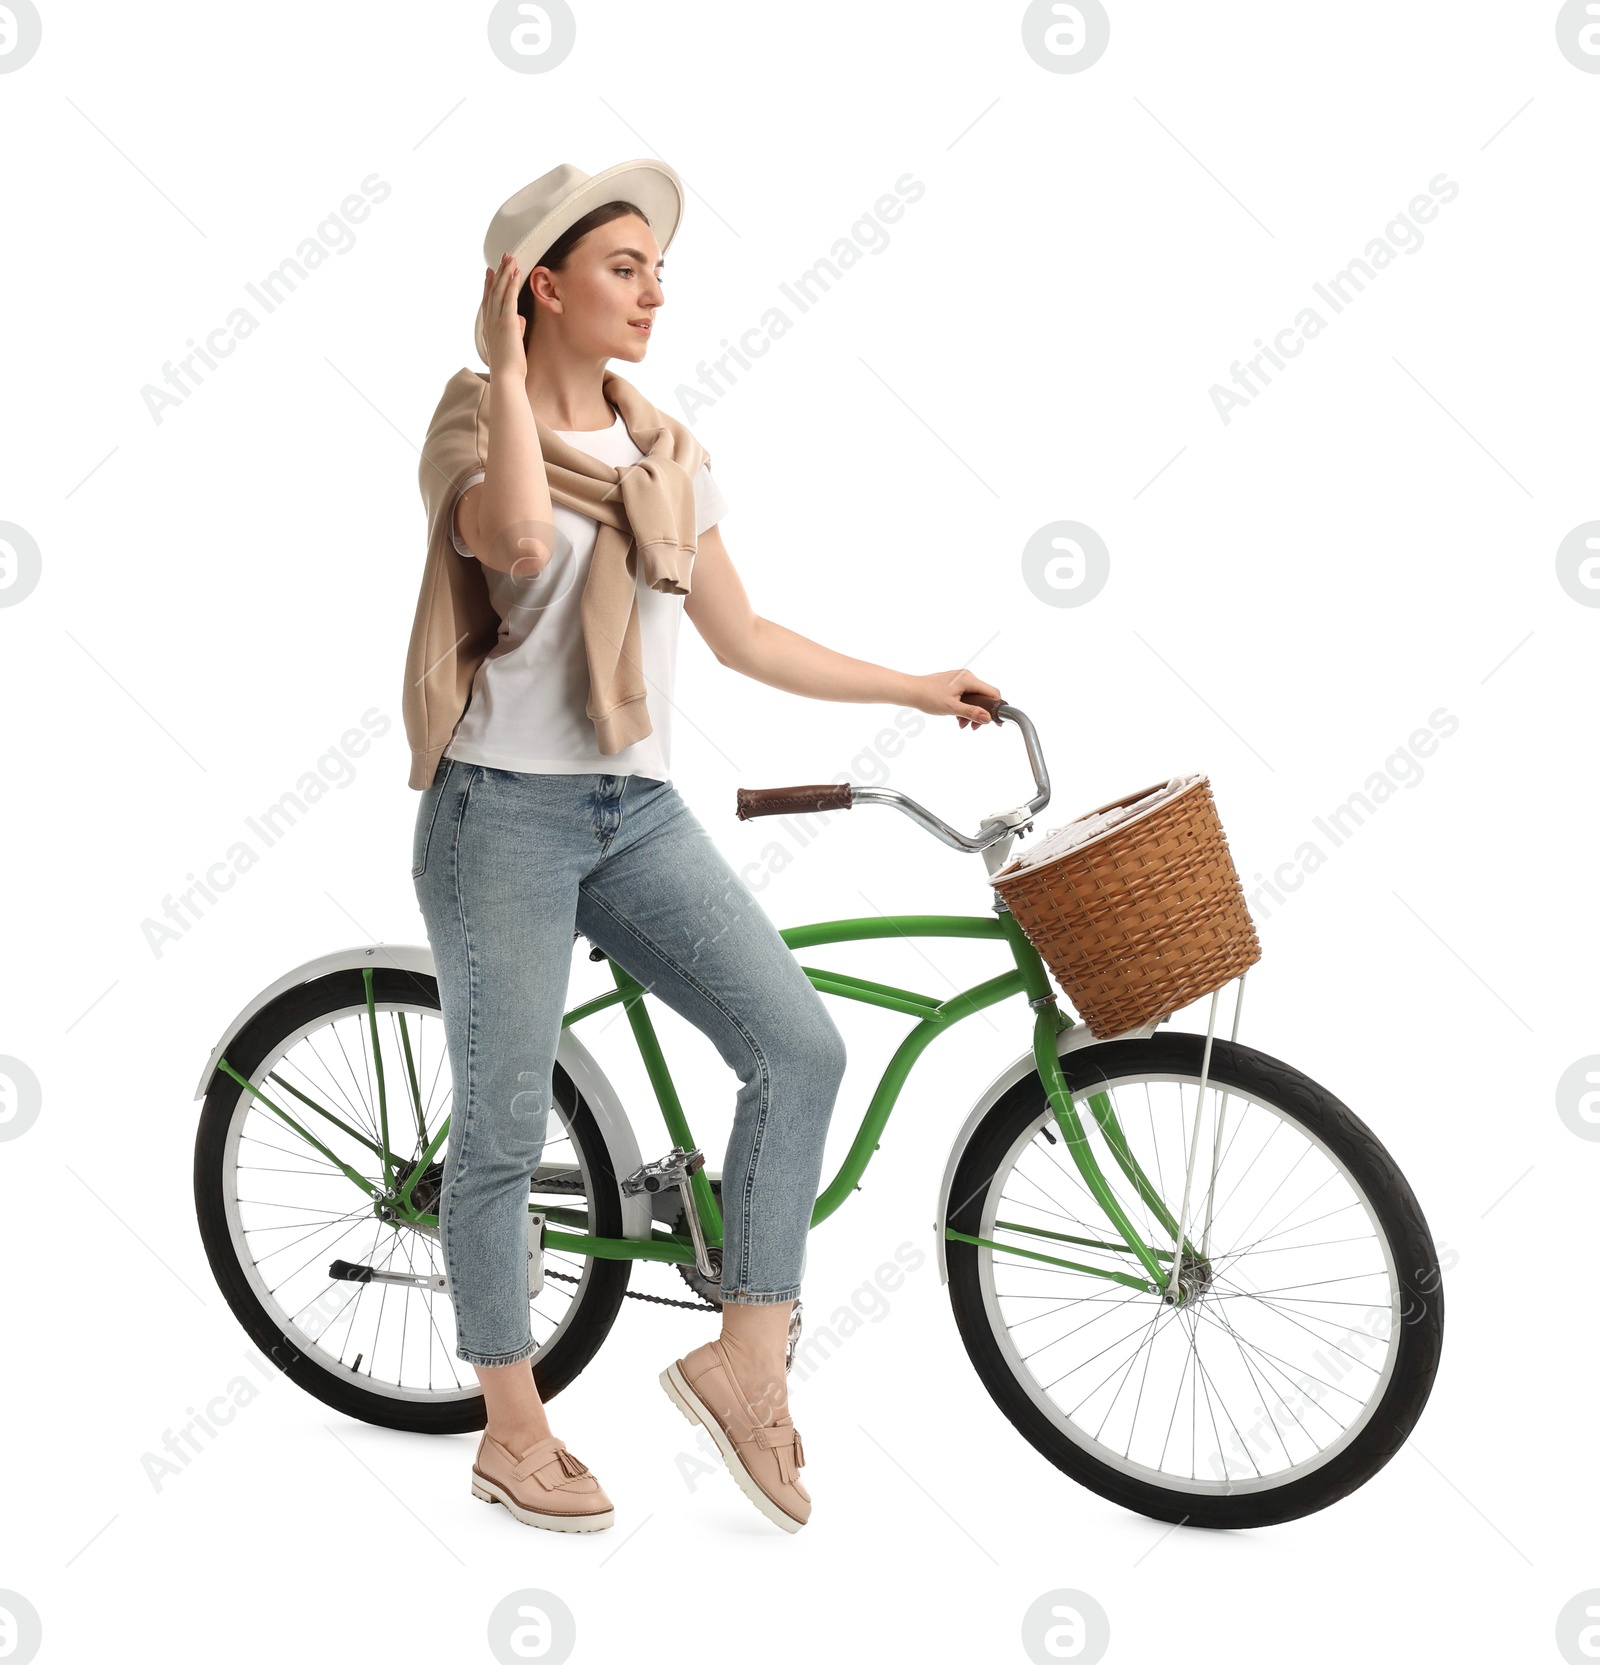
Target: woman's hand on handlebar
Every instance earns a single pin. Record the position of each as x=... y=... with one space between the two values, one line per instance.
x=941 y=694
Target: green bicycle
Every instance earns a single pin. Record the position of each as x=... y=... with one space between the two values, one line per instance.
x=1187 y=1274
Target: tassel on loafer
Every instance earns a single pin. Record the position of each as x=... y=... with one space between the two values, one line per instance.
x=765 y=1459
x=542 y=1486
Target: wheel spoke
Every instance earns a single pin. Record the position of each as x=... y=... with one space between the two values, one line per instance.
x=356 y=1217
x=1244 y=1359
x=1105 y=1312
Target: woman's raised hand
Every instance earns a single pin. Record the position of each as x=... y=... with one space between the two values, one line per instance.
x=502 y=323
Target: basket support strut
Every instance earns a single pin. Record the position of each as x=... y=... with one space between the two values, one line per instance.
x=1194 y=1146
x=1216 y=1144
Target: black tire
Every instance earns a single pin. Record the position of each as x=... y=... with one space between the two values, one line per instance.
x=585 y=1325
x=1417 y=1338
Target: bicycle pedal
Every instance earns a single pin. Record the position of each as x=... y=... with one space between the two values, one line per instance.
x=535 y=1253
x=675 y=1168
x=794 y=1336
x=345 y=1271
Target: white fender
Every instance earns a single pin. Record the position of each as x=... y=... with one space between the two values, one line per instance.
x=573 y=1056
x=1067 y=1040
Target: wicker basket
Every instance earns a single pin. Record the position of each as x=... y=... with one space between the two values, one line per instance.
x=1141 y=918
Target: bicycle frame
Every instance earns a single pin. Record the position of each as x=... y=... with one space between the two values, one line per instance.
x=393 y=1197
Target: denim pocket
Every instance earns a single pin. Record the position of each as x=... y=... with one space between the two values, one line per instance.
x=427 y=814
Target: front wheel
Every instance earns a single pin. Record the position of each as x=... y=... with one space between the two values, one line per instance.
x=1306 y=1330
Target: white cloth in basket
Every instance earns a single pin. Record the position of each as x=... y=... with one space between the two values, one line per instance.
x=1075 y=834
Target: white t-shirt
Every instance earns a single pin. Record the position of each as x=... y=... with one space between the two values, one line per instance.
x=527 y=708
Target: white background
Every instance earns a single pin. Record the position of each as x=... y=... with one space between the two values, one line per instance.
x=1290 y=595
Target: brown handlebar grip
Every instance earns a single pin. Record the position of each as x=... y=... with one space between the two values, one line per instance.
x=990 y=703
x=783 y=800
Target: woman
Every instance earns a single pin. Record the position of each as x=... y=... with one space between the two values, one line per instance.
x=551 y=812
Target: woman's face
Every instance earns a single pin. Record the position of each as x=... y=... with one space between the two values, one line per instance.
x=608 y=291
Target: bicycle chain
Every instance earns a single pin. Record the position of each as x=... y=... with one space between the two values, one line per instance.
x=694 y=1306
x=639 y=1295
x=573 y=1183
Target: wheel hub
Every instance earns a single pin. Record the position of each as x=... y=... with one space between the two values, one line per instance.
x=424 y=1199
x=1194 y=1279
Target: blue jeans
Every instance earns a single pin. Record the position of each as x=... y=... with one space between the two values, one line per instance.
x=507 y=865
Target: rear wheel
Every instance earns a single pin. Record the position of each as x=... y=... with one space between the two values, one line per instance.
x=275 y=1212
x=1309 y=1336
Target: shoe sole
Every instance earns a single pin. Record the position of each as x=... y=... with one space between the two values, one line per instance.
x=695 y=1410
x=489 y=1492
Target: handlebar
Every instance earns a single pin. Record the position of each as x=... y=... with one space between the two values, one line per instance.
x=783 y=800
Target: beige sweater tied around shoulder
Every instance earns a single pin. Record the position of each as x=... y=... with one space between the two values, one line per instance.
x=646 y=512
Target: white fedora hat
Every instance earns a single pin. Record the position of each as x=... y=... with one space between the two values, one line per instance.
x=525 y=225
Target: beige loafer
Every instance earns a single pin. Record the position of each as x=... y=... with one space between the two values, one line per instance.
x=765 y=1459
x=542 y=1486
